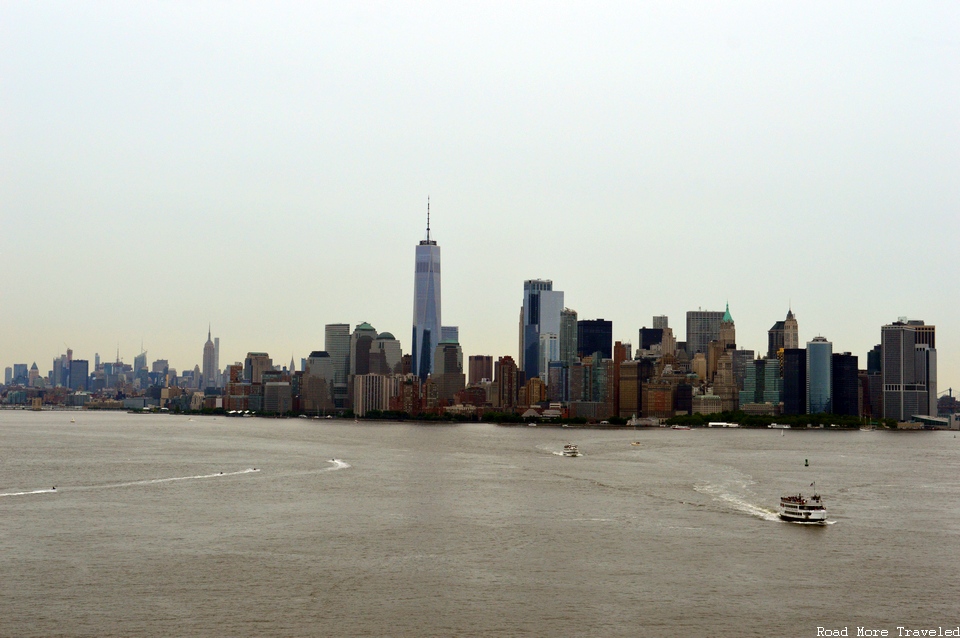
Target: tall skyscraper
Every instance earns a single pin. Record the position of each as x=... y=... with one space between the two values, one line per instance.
x=79 y=374
x=819 y=376
x=216 y=362
x=480 y=368
x=209 y=366
x=845 y=392
x=568 y=336
x=336 y=343
x=795 y=381
x=426 y=304
x=542 y=306
x=595 y=335
x=703 y=326
x=361 y=342
x=908 y=369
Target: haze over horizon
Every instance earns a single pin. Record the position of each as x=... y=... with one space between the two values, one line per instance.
x=265 y=168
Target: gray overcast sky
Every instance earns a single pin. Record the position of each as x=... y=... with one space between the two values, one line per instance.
x=265 y=167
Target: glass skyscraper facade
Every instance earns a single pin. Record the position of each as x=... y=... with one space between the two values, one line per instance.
x=426 y=305
x=819 y=376
x=542 y=306
x=703 y=326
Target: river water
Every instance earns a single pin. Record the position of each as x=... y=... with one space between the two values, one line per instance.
x=331 y=528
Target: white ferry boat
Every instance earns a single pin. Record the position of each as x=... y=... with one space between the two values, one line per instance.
x=803 y=509
x=571 y=450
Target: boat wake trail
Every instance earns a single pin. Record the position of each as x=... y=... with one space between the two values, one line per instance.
x=718 y=493
x=337 y=465
x=30 y=492
x=170 y=480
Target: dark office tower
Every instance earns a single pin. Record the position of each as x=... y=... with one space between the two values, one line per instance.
x=480 y=368
x=542 y=306
x=426 y=304
x=361 y=342
x=506 y=382
x=795 y=381
x=909 y=370
x=568 y=336
x=595 y=335
x=774 y=340
x=79 y=374
x=845 y=392
x=650 y=337
x=874 y=360
x=703 y=326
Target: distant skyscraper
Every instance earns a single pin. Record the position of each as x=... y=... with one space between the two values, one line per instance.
x=209 y=379
x=542 y=306
x=79 y=374
x=791 y=332
x=908 y=369
x=727 y=331
x=480 y=368
x=216 y=362
x=8 y=376
x=361 y=342
x=845 y=392
x=337 y=345
x=660 y=321
x=568 y=336
x=595 y=335
x=795 y=381
x=703 y=326
x=426 y=304
x=450 y=334
x=819 y=376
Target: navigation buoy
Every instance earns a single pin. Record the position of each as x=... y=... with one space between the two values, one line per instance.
x=806 y=463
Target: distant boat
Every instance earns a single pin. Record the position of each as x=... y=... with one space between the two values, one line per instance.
x=571 y=450
x=680 y=427
x=779 y=426
x=72 y=420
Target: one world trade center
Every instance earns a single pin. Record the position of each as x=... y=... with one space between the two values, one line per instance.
x=426 y=305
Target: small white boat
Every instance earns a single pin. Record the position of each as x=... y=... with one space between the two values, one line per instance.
x=803 y=509
x=571 y=450
x=680 y=427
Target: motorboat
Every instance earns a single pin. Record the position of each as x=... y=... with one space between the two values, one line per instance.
x=571 y=450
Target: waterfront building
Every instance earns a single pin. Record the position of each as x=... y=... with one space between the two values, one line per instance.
x=426 y=304
x=20 y=373
x=845 y=388
x=541 y=311
x=370 y=392
x=317 y=384
x=8 y=375
x=907 y=367
x=277 y=397
x=209 y=379
x=703 y=326
x=506 y=380
x=819 y=376
x=254 y=365
x=742 y=358
x=630 y=403
x=761 y=382
x=558 y=381
x=795 y=381
x=595 y=335
x=568 y=336
x=337 y=344
x=448 y=370
x=480 y=368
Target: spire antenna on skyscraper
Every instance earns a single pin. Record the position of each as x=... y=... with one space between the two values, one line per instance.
x=428 y=218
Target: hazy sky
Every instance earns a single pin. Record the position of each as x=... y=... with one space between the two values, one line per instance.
x=265 y=167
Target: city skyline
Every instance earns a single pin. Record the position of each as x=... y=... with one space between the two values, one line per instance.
x=674 y=159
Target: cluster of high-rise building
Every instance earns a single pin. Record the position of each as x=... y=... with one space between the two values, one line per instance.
x=565 y=366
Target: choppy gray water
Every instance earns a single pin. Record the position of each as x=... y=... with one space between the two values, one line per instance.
x=325 y=528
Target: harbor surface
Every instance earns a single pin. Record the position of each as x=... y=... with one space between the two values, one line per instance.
x=201 y=526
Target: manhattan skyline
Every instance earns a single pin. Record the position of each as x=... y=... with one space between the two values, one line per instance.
x=267 y=172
